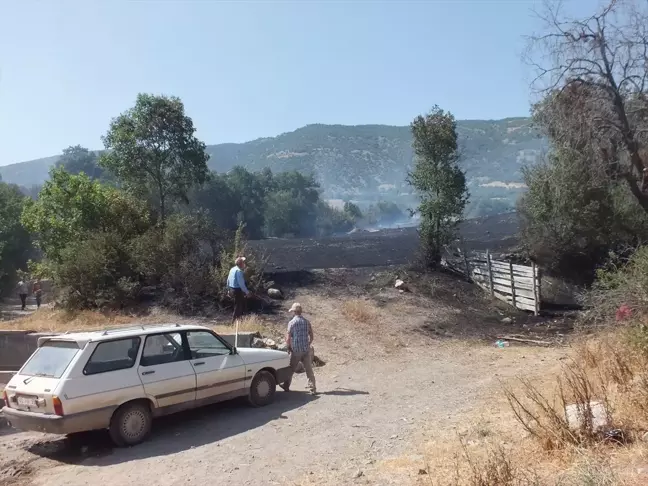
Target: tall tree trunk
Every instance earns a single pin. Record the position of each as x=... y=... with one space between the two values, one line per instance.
x=162 y=206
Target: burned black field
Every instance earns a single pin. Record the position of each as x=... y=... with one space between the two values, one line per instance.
x=379 y=248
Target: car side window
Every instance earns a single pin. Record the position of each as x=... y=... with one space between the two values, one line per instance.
x=162 y=349
x=204 y=344
x=119 y=354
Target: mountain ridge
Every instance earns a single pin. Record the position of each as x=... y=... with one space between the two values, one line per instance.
x=369 y=161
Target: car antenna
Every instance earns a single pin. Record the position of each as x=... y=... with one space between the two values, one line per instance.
x=236 y=335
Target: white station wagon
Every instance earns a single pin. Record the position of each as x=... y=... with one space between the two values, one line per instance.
x=120 y=379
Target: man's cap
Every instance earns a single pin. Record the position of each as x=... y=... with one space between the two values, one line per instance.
x=239 y=260
x=296 y=307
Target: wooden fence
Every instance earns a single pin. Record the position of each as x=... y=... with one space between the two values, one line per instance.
x=518 y=285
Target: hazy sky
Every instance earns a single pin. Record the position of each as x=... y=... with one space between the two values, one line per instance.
x=247 y=69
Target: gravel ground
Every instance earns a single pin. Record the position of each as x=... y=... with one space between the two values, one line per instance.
x=384 y=389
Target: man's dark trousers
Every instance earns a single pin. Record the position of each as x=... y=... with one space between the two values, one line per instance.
x=239 y=303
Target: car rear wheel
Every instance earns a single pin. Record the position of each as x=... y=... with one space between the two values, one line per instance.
x=262 y=389
x=131 y=424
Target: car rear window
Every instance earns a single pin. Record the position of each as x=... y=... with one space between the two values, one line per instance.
x=51 y=359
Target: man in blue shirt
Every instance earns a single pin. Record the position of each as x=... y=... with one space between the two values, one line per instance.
x=237 y=288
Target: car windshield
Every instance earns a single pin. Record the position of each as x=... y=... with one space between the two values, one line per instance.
x=51 y=359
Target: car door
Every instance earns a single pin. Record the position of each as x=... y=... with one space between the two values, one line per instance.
x=218 y=371
x=165 y=371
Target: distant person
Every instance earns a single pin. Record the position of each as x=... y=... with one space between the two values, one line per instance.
x=236 y=287
x=37 y=290
x=23 y=290
x=299 y=339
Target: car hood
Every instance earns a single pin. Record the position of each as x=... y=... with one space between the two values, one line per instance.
x=257 y=355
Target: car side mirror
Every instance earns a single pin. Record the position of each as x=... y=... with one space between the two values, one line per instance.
x=233 y=351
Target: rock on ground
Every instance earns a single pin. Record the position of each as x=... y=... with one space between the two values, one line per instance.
x=275 y=294
x=575 y=415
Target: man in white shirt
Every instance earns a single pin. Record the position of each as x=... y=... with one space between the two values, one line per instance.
x=23 y=290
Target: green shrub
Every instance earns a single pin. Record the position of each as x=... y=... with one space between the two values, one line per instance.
x=95 y=272
x=620 y=292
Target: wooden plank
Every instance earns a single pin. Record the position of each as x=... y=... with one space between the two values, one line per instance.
x=521 y=282
x=508 y=300
x=523 y=269
x=506 y=267
x=512 y=283
x=520 y=293
x=503 y=271
x=525 y=272
x=523 y=340
x=527 y=297
x=505 y=276
x=536 y=296
x=505 y=291
x=521 y=303
x=490 y=272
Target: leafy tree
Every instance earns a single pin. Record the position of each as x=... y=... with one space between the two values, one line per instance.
x=572 y=216
x=352 y=210
x=330 y=220
x=592 y=72
x=384 y=212
x=291 y=206
x=152 y=150
x=77 y=159
x=70 y=206
x=439 y=181
x=218 y=199
x=15 y=241
x=250 y=191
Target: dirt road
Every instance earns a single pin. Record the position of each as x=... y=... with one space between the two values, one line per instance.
x=367 y=412
x=383 y=390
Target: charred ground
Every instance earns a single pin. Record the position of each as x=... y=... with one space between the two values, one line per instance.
x=380 y=248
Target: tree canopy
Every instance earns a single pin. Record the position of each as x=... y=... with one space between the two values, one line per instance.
x=71 y=206
x=15 y=240
x=438 y=179
x=76 y=159
x=152 y=150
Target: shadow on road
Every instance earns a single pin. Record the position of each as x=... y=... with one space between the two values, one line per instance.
x=344 y=392
x=172 y=434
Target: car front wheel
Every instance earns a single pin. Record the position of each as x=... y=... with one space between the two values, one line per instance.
x=262 y=389
x=131 y=424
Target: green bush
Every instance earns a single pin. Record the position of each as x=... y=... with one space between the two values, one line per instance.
x=620 y=292
x=189 y=265
x=572 y=216
x=95 y=272
x=330 y=220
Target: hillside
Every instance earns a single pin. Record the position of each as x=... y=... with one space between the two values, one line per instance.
x=365 y=162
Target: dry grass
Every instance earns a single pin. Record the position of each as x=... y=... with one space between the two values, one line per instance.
x=359 y=310
x=50 y=320
x=55 y=320
x=605 y=370
x=251 y=323
x=491 y=448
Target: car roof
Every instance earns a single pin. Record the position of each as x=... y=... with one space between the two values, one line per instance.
x=83 y=338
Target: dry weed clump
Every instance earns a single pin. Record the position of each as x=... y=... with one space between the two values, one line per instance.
x=58 y=320
x=249 y=323
x=61 y=320
x=358 y=310
x=491 y=465
x=605 y=384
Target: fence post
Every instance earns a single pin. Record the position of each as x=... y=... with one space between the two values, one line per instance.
x=536 y=296
x=490 y=273
x=465 y=258
x=512 y=283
